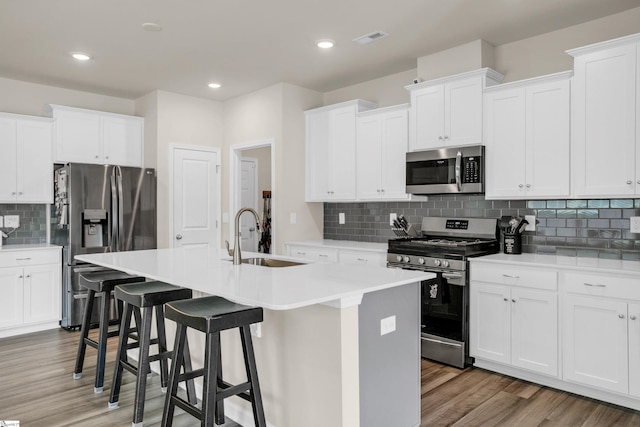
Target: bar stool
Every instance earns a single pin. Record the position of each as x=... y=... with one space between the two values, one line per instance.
x=99 y=284
x=145 y=296
x=212 y=315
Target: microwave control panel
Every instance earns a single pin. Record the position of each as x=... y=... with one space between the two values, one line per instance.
x=471 y=170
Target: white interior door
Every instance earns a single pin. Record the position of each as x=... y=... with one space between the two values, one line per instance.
x=249 y=199
x=195 y=188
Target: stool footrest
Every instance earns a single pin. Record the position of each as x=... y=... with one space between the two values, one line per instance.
x=186 y=406
x=191 y=375
x=228 y=390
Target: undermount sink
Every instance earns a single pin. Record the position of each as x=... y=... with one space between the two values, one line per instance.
x=270 y=262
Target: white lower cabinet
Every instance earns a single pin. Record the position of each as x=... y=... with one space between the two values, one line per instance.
x=514 y=325
x=602 y=333
x=30 y=291
x=343 y=254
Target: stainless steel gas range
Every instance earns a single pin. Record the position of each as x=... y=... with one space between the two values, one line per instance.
x=444 y=248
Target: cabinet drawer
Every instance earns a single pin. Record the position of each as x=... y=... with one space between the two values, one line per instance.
x=603 y=285
x=363 y=258
x=20 y=258
x=515 y=275
x=314 y=253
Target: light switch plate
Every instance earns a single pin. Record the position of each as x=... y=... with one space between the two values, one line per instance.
x=392 y=217
x=11 y=221
x=341 y=218
x=1 y=221
x=292 y=218
x=635 y=224
x=387 y=325
x=531 y=219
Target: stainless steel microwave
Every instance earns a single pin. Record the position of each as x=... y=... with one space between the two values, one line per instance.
x=448 y=170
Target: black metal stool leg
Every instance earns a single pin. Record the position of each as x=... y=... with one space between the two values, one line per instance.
x=121 y=355
x=186 y=365
x=84 y=333
x=219 y=403
x=102 y=341
x=178 y=346
x=144 y=332
x=252 y=375
x=162 y=346
x=210 y=382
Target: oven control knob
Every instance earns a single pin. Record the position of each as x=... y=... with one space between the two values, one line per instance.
x=399 y=258
x=421 y=260
x=407 y=259
x=437 y=262
x=445 y=263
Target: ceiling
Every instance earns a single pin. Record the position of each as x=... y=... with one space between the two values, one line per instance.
x=247 y=45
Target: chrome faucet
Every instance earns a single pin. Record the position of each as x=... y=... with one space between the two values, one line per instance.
x=235 y=252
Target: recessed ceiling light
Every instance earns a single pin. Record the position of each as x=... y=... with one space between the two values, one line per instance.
x=151 y=26
x=325 y=43
x=80 y=56
x=215 y=85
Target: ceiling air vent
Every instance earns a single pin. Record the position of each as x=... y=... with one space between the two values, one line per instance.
x=372 y=37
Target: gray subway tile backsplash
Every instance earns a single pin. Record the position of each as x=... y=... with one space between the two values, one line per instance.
x=33 y=223
x=584 y=228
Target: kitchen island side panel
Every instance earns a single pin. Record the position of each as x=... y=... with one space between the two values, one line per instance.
x=390 y=363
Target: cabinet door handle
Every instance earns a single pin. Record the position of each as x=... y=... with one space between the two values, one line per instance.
x=28 y=276
x=629 y=182
x=362 y=259
x=621 y=316
x=23 y=259
x=511 y=276
x=632 y=317
x=323 y=255
x=20 y=276
x=506 y=299
x=597 y=285
x=528 y=185
x=301 y=253
x=514 y=300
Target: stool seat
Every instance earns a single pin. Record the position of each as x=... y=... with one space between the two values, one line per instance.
x=107 y=280
x=150 y=294
x=100 y=282
x=212 y=314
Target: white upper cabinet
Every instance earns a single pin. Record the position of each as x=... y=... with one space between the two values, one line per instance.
x=26 y=163
x=448 y=111
x=382 y=141
x=87 y=136
x=330 y=156
x=606 y=157
x=527 y=135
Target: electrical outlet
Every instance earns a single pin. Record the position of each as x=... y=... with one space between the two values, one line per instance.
x=635 y=224
x=11 y=221
x=392 y=217
x=256 y=329
x=1 y=221
x=531 y=219
x=341 y=218
x=387 y=325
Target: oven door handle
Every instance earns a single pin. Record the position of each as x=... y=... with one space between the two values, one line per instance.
x=450 y=276
x=459 y=170
x=442 y=342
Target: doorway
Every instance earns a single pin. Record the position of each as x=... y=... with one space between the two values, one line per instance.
x=249 y=199
x=194 y=196
x=262 y=152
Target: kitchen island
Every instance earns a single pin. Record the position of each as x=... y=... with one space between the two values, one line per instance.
x=339 y=344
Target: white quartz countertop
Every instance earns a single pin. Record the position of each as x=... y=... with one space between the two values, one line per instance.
x=210 y=271
x=597 y=265
x=344 y=244
x=30 y=247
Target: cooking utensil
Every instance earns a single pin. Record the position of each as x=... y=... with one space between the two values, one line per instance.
x=522 y=225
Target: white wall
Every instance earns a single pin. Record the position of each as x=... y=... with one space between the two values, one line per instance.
x=469 y=56
x=384 y=91
x=30 y=98
x=184 y=120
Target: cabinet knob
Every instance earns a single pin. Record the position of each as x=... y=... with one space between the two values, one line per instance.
x=96 y=157
x=621 y=316
x=440 y=138
x=20 y=276
x=629 y=182
x=528 y=185
x=446 y=137
x=178 y=236
x=13 y=193
x=513 y=300
x=639 y=181
x=506 y=299
x=382 y=190
x=520 y=185
x=28 y=276
x=632 y=317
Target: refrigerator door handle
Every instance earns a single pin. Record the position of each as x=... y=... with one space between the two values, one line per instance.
x=120 y=211
x=113 y=237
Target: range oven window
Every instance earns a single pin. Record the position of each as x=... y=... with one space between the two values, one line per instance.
x=443 y=308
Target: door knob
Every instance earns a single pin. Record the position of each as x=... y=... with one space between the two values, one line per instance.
x=178 y=236
x=252 y=229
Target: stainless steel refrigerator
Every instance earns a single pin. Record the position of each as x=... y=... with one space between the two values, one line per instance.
x=97 y=209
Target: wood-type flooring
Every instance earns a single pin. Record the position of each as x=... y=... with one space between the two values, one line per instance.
x=37 y=388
